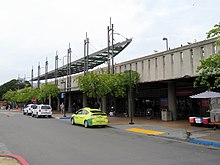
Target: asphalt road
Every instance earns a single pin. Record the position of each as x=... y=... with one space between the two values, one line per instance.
x=56 y=142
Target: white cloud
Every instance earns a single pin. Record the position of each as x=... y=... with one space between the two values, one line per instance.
x=32 y=30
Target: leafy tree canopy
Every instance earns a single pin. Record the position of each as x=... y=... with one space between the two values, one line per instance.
x=22 y=95
x=98 y=85
x=215 y=32
x=209 y=69
x=48 y=90
x=26 y=94
x=13 y=85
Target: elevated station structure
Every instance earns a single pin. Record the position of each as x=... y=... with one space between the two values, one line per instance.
x=166 y=81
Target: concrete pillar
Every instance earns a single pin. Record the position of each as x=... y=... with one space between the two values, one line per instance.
x=131 y=105
x=70 y=102
x=84 y=100
x=104 y=104
x=172 y=99
x=58 y=104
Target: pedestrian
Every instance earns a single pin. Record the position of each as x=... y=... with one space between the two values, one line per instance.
x=62 y=107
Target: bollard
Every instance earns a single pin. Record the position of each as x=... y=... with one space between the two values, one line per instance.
x=188 y=134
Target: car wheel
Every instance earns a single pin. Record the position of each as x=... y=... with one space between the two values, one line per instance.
x=36 y=115
x=23 y=113
x=49 y=116
x=32 y=114
x=86 y=124
x=72 y=121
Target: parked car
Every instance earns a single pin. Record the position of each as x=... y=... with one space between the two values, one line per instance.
x=42 y=110
x=28 y=109
x=89 y=117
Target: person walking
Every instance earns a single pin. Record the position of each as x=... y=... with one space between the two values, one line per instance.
x=62 y=108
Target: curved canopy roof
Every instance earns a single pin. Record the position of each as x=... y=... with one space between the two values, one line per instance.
x=206 y=94
x=94 y=60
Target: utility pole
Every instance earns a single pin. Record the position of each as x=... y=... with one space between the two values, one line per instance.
x=38 y=78
x=56 y=68
x=46 y=71
x=86 y=55
x=32 y=76
x=69 y=68
x=110 y=55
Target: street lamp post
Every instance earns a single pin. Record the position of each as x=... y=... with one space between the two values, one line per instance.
x=64 y=97
x=130 y=108
x=166 y=39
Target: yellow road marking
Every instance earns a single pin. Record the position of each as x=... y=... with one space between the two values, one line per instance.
x=145 y=131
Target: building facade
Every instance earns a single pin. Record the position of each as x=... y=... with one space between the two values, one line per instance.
x=166 y=82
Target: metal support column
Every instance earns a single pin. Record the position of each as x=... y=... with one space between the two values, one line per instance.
x=56 y=68
x=70 y=102
x=172 y=99
x=38 y=76
x=110 y=55
x=69 y=68
x=32 y=76
x=46 y=71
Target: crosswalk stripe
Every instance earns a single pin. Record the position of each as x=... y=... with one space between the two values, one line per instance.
x=145 y=131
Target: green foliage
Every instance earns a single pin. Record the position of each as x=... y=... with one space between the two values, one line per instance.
x=215 y=32
x=48 y=90
x=94 y=85
x=21 y=96
x=10 y=96
x=99 y=85
x=13 y=85
x=209 y=69
x=26 y=94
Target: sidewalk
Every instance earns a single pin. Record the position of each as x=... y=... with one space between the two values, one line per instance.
x=180 y=129
x=11 y=159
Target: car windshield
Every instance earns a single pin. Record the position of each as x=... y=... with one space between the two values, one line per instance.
x=32 y=106
x=45 y=107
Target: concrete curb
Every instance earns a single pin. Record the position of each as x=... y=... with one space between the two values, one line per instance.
x=182 y=138
x=20 y=159
x=204 y=142
x=63 y=118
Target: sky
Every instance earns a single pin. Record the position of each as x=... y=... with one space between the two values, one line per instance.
x=32 y=31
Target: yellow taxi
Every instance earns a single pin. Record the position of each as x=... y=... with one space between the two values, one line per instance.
x=89 y=117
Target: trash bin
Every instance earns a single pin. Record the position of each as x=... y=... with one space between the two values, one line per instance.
x=198 y=121
x=215 y=115
x=192 y=120
x=166 y=115
x=206 y=120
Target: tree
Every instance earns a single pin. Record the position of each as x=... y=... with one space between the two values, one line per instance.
x=215 y=32
x=21 y=96
x=209 y=69
x=122 y=81
x=10 y=96
x=47 y=91
x=13 y=85
x=99 y=85
x=95 y=85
